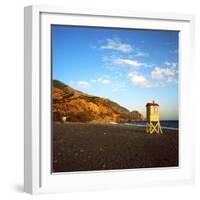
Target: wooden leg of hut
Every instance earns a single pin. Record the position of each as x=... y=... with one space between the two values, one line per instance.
x=157 y=128
x=149 y=128
x=152 y=128
x=160 y=129
x=146 y=127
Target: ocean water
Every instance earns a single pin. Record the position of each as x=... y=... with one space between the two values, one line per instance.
x=171 y=124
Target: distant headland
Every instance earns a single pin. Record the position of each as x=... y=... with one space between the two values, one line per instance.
x=77 y=106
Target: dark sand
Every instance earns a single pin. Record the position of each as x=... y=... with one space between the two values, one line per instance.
x=83 y=147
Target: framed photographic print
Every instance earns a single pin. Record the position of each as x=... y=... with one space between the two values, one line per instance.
x=108 y=99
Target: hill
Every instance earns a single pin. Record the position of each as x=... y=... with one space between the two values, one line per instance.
x=80 y=107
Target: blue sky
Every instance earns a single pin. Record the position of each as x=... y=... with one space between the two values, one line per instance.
x=128 y=66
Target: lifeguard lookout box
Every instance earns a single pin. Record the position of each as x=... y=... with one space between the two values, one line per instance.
x=152 y=118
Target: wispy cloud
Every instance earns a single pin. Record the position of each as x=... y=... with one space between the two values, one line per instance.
x=165 y=72
x=101 y=80
x=83 y=84
x=130 y=62
x=141 y=54
x=171 y=64
x=139 y=80
x=116 y=44
x=105 y=81
x=161 y=73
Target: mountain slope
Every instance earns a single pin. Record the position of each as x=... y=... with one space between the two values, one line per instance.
x=80 y=107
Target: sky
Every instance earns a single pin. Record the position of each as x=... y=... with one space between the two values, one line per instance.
x=129 y=66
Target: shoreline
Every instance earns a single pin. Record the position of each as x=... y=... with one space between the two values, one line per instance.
x=141 y=125
x=170 y=128
x=116 y=123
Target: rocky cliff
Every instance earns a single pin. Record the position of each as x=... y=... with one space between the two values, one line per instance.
x=80 y=107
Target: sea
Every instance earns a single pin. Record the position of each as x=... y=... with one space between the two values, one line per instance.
x=169 y=124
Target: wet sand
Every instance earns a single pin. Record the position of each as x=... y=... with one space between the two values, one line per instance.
x=85 y=147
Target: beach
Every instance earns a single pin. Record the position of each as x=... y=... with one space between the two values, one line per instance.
x=90 y=146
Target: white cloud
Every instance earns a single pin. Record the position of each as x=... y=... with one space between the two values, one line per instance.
x=116 y=44
x=101 y=80
x=167 y=63
x=162 y=73
x=105 y=81
x=83 y=84
x=170 y=79
x=139 y=80
x=171 y=64
x=174 y=65
x=141 y=54
x=130 y=62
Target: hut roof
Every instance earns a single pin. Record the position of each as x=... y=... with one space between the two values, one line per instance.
x=152 y=104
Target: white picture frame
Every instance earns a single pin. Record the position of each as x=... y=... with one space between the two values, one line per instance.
x=37 y=131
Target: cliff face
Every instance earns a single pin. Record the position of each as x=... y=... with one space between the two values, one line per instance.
x=81 y=107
